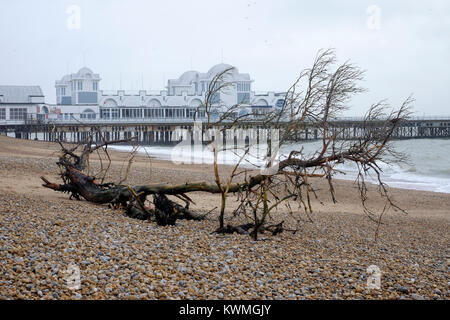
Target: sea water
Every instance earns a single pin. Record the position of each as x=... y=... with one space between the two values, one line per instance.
x=427 y=166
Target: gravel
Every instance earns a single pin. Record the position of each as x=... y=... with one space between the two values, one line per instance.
x=122 y=258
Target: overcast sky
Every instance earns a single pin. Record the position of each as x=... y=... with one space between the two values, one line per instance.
x=403 y=45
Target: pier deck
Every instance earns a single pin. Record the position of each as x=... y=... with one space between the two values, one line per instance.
x=165 y=131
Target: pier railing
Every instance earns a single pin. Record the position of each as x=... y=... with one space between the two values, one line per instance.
x=78 y=118
x=151 y=130
x=414 y=118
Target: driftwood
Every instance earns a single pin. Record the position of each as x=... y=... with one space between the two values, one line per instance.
x=245 y=229
x=132 y=199
x=320 y=94
x=166 y=212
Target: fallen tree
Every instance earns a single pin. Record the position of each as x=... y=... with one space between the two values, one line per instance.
x=319 y=94
x=79 y=184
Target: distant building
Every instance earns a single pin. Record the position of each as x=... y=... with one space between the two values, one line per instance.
x=194 y=83
x=19 y=103
x=79 y=98
x=78 y=95
x=78 y=88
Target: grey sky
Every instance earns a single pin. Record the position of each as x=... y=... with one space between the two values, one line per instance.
x=271 y=40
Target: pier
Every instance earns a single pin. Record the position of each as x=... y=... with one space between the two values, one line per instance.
x=166 y=131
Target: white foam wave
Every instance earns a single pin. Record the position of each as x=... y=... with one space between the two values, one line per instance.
x=428 y=168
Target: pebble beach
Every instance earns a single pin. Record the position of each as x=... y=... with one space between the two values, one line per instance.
x=43 y=232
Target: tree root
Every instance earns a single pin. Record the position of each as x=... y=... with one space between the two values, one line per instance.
x=245 y=228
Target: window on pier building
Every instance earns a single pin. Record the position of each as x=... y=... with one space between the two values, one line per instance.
x=109 y=113
x=215 y=98
x=105 y=113
x=243 y=86
x=153 y=113
x=95 y=86
x=199 y=113
x=195 y=87
x=17 y=113
x=88 y=114
x=189 y=113
x=279 y=103
x=243 y=97
x=131 y=113
x=2 y=114
x=80 y=85
x=150 y=113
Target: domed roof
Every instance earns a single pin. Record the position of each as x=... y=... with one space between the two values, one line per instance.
x=218 y=68
x=84 y=71
x=187 y=77
x=66 y=78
